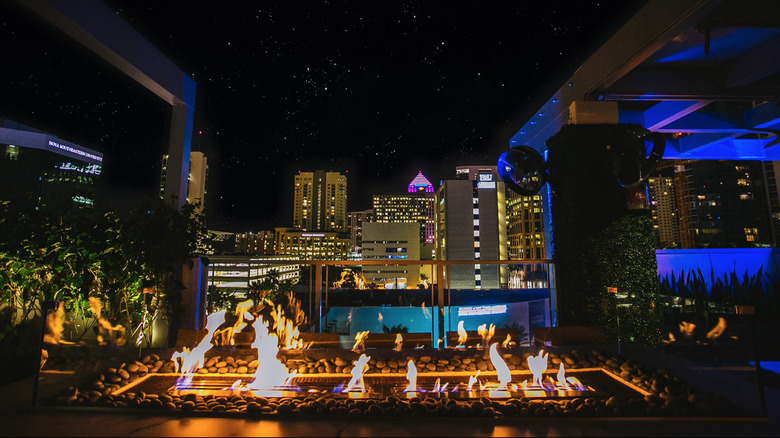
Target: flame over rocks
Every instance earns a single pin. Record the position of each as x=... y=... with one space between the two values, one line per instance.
x=360 y=341
x=273 y=376
x=411 y=375
x=462 y=335
x=504 y=376
x=270 y=374
x=191 y=360
x=399 y=342
x=286 y=323
x=226 y=335
x=486 y=333
x=538 y=365
x=360 y=367
x=508 y=342
x=472 y=381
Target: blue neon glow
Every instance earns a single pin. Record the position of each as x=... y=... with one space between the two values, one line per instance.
x=720 y=261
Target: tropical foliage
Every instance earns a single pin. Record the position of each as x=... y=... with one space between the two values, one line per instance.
x=72 y=255
x=270 y=288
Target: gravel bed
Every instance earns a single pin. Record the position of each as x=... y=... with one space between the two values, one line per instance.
x=669 y=396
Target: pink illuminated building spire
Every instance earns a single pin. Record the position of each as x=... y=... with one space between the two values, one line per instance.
x=420 y=184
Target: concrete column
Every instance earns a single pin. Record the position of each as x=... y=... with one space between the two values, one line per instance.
x=176 y=174
x=193 y=297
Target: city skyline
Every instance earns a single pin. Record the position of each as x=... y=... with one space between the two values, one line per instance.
x=376 y=92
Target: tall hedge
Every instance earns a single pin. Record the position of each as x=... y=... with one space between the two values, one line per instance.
x=597 y=242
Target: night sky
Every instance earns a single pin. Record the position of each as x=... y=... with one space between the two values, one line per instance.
x=376 y=89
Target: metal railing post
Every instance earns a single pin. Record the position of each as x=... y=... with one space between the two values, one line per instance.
x=440 y=275
x=318 y=296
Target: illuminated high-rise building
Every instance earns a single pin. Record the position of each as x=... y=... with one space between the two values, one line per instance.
x=197 y=179
x=525 y=229
x=255 y=242
x=392 y=241
x=471 y=225
x=771 y=173
x=320 y=202
x=312 y=245
x=355 y=221
x=715 y=204
x=51 y=172
x=416 y=205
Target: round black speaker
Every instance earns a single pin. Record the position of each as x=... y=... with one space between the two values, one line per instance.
x=640 y=159
x=523 y=170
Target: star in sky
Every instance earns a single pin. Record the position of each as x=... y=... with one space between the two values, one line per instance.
x=378 y=89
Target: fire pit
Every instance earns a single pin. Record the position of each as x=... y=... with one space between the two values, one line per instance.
x=480 y=381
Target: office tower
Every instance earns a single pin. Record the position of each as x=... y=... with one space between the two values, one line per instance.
x=355 y=221
x=52 y=172
x=255 y=242
x=392 y=241
x=416 y=205
x=471 y=224
x=525 y=229
x=717 y=203
x=663 y=206
x=320 y=202
x=197 y=179
x=312 y=245
x=771 y=171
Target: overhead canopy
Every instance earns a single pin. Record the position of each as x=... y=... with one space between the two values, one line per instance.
x=96 y=27
x=705 y=72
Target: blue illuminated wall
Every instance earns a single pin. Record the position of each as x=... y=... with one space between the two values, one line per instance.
x=721 y=260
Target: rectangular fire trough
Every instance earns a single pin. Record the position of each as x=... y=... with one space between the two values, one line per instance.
x=599 y=384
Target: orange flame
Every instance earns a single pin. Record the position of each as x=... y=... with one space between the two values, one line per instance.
x=576 y=382
x=360 y=367
x=399 y=342
x=360 y=340
x=537 y=365
x=286 y=326
x=411 y=375
x=504 y=376
x=270 y=374
x=360 y=281
x=225 y=336
x=462 y=335
x=687 y=328
x=437 y=386
x=508 y=341
x=562 y=378
x=717 y=330
x=472 y=381
x=486 y=333
x=190 y=360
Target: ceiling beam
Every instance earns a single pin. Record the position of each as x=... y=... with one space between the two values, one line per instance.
x=662 y=82
x=663 y=113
